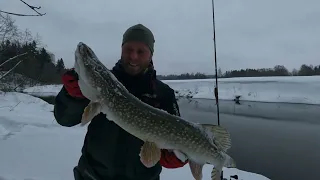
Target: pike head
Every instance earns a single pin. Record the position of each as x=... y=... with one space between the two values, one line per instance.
x=96 y=81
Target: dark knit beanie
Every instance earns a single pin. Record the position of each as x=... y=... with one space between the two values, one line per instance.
x=139 y=33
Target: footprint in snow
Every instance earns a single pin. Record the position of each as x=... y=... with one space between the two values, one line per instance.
x=9 y=127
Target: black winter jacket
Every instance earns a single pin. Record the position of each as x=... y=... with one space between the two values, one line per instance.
x=109 y=152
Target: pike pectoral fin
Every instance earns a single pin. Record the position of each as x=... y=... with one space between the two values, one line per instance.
x=93 y=109
x=196 y=169
x=150 y=154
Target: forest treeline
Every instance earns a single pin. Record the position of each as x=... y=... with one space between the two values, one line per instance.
x=41 y=65
x=278 y=70
x=38 y=63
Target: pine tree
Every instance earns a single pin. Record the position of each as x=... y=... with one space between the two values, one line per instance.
x=60 y=66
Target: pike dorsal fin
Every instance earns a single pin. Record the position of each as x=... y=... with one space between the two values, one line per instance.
x=218 y=134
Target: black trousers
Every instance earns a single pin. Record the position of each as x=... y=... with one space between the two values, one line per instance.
x=78 y=176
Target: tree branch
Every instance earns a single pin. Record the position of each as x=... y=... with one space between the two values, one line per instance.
x=11 y=69
x=15 y=57
x=31 y=7
x=16 y=14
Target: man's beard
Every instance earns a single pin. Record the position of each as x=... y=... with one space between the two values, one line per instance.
x=133 y=69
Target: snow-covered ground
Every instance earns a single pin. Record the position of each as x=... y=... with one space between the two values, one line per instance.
x=35 y=147
x=263 y=89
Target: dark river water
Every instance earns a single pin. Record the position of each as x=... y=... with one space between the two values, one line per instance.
x=278 y=140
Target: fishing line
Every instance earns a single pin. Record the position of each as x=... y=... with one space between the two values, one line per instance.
x=215 y=62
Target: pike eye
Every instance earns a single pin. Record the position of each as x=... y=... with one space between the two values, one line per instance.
x=98 y=68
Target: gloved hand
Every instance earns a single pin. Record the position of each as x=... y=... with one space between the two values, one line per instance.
x=70 y=82
x=172 y=159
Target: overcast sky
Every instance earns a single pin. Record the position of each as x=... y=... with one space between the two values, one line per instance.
x=249 y=33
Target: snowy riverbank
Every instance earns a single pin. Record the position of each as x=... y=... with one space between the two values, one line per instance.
x=289 y=89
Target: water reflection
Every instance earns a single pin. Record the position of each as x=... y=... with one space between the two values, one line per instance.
x=280 y=111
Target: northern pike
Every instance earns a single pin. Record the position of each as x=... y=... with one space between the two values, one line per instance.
x=201 y=144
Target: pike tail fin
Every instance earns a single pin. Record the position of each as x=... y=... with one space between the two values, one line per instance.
x=229 y=162
x=216 y=174
x=216 y=171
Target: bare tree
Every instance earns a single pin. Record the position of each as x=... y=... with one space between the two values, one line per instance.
x=34 y=8
x=8 y=30
x=26 y=37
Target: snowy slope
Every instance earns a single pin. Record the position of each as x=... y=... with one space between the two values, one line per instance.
x=298 y=89
x=263 y=89
x=35 y=147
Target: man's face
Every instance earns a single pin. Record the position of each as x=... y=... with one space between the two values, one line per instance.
x=135 y=57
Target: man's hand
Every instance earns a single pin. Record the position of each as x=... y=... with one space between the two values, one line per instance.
x=172 y=159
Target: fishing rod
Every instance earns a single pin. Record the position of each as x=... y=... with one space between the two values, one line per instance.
x=216 y=69
x=215 y=62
